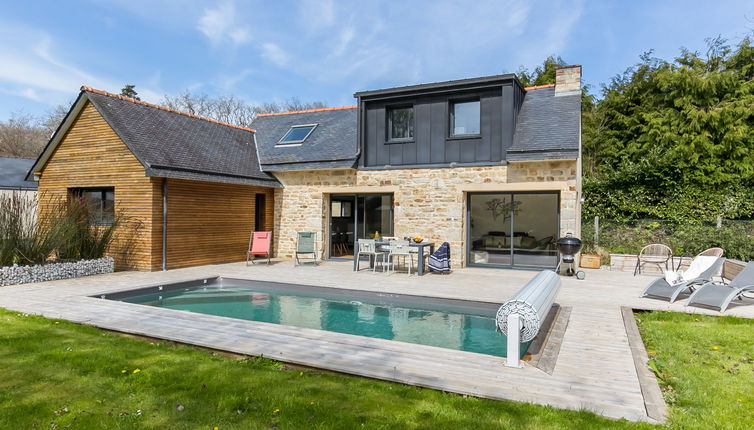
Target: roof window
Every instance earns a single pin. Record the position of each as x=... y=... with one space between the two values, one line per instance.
x=297 y=134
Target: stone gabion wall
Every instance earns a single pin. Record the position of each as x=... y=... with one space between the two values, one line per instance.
x=12 y=275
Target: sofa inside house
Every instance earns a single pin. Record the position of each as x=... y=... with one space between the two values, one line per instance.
x=495 y=247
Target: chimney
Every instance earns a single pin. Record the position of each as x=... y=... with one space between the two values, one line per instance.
x=567 y=79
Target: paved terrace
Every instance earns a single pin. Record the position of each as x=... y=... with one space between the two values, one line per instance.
x=595 y=369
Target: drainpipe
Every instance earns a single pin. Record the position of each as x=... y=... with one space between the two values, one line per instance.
x=164 y=224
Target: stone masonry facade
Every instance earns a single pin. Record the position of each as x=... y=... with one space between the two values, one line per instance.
x=429 y=202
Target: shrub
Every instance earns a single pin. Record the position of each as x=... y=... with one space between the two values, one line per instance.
x=736 y=237
x=24 y=239
x=61 y=232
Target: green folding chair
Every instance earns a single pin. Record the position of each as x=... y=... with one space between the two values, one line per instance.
x=306 y=243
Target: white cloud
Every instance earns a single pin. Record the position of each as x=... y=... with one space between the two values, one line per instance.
x=221 y=25
x=275 y=54
x=32 y=68
x=228 y=82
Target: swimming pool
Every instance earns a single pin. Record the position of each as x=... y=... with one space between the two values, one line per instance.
x=454 y=324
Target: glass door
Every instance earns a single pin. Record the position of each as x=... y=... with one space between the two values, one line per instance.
x=513 y=229
x=535 y=230
x=375 y=215
x=342 y=225
x=358 y=216
x=490 y=226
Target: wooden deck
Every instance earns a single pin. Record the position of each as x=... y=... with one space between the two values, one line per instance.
x=595 y=369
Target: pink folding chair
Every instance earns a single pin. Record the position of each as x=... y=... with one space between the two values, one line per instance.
x=259 y=244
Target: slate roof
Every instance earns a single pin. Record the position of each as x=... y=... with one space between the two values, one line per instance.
x=333 y=143
x=13 y=173
x=548 y=126
x=173 y=144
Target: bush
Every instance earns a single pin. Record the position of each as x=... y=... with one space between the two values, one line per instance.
x=61 y=232
x=736 y=237
x=23 y=240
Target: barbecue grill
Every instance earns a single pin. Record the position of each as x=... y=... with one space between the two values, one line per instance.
x=569 y=246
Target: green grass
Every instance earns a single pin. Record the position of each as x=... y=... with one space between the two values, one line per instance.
x=705 y=366
x=50 y=367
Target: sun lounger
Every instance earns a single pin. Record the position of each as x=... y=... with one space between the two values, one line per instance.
x=717 y=295
x=701 y=271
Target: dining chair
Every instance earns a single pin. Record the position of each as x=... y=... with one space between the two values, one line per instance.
x=400 y=249
x=369 y=247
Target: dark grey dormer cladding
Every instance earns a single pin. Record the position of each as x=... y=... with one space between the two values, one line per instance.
x=331 y=145
x=432 y=141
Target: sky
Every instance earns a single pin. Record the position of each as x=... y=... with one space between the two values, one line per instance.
x=325 y=50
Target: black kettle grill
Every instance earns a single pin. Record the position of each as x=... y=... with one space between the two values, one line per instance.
x=569 y=246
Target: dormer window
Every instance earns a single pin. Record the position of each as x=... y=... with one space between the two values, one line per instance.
x=464 y=118
x=400 y=124
x=297 y=134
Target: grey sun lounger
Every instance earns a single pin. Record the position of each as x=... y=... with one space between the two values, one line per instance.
x=718 y=296
x=661 y=289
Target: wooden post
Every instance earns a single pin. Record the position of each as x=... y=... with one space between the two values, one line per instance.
x=719 y=221
x=596 y=230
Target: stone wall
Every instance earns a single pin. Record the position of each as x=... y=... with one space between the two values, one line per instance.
x=430 y=202
x=12 y=275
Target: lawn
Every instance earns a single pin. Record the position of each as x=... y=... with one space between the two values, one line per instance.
x=60 y=375
x=705 y=366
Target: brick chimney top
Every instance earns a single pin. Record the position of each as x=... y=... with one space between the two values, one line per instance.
x=567 y=79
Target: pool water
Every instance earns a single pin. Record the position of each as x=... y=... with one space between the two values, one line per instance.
x=453 y=324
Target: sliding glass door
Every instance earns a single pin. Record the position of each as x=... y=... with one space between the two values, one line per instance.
x=358 y=216
x=513 y=229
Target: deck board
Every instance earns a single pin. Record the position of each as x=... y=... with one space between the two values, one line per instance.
x=594 y=370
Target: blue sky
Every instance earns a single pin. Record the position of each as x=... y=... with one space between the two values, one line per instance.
x=325 y=49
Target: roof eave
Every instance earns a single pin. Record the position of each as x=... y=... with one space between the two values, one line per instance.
x=438 y=86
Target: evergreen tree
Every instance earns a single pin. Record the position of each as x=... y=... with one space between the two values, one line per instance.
x=543 y=74
x=129 y=91
x=674 y=139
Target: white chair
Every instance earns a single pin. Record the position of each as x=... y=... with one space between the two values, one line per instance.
x=384 y=239
x=400 y=248
x=369 y=248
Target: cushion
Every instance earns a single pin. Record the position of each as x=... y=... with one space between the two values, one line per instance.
x=528 y=242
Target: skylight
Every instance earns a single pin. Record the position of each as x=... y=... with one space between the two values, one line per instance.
x=297 y=134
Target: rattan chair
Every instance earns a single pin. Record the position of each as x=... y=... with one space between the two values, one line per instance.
x=656 y=254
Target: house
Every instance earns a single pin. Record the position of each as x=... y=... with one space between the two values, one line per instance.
x=190 y=188
x=13 y=177
x=485 y=164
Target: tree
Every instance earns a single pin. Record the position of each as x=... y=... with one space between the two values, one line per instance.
x=129 y=91
x=674 y=139
x=230 y=109
x=22 y=136
x=54 y=117
x=543 y=74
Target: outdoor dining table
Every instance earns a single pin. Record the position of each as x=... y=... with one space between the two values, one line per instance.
x=419 y=248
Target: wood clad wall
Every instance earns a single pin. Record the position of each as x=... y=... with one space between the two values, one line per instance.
x=209 y=223
x=92 y=155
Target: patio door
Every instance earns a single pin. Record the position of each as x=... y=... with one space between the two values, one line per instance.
x=358 y=216
x=513 y=229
